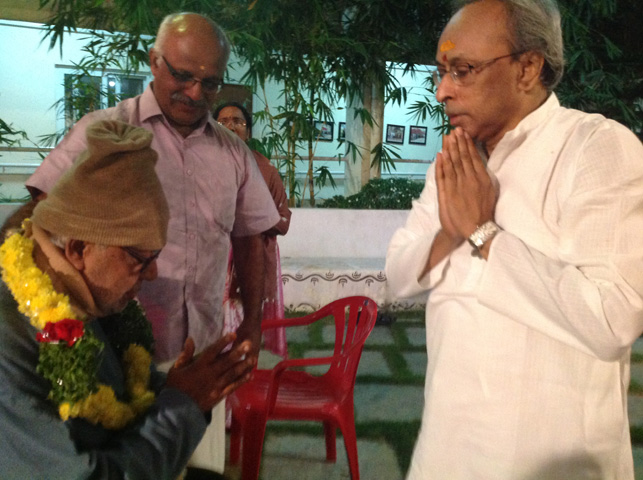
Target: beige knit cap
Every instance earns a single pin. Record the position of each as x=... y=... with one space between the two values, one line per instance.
x=111 y=195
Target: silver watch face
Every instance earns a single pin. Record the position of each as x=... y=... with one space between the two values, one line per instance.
x=478 y=240
x=483 y=233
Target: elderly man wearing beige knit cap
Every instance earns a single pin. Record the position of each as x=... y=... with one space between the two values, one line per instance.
x=79 y=397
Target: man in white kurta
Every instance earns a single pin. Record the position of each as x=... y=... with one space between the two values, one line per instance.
x=528 y=334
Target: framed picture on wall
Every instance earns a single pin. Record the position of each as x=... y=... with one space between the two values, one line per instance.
x=395 y=134
x=325 y=131
x=341 y=131
x=417 y=135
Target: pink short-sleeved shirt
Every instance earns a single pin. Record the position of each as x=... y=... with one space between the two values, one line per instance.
x=214 y=190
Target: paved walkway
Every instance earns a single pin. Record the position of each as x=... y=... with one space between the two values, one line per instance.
x=388 y=404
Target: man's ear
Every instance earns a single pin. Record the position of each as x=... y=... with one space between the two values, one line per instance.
x=75 y=253
x=154 y=60
x=532 y=66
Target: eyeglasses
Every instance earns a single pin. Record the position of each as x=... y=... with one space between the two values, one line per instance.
x=231 y=122
x=462 y=73
x=143 y=261
x=210 y=84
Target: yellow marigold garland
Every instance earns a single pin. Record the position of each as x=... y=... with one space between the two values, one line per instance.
x=33 y=291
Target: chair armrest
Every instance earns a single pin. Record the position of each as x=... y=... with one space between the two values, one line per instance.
x=297 y=321
x=301 y=362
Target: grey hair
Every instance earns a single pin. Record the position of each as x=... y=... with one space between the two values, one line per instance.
x=59 y=241
x=163 y=31
x=535 y=26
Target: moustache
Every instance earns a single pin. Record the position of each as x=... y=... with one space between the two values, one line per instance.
x=180 y=97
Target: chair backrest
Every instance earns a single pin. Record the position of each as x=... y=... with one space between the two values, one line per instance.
x=354 y=320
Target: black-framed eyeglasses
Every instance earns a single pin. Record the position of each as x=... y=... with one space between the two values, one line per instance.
x=143 y=261
x=232 y=122
x=462 y=73
x=210 y=84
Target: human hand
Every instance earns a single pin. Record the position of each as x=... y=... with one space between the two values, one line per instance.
x=187 y=354
x=467 y=195
x=212 y=375
x=250 y=332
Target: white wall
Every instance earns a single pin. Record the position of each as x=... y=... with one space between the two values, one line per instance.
x=340 y=233
x=28 y=78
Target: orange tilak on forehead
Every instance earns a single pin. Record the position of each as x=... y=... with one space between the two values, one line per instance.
x=445 y=47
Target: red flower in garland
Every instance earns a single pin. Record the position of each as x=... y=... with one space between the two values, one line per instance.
x=66 y=330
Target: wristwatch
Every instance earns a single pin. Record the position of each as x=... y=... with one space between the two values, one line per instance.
x=483 y=234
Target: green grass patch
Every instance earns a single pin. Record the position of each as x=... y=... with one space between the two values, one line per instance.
x=400 y=436
x=410 y=315
x=636 y=432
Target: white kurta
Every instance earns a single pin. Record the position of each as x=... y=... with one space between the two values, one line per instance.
x=528 y=352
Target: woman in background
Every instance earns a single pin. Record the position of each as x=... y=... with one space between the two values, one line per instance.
x=237 y=119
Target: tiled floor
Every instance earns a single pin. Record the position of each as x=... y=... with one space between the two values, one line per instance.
x=388 y=398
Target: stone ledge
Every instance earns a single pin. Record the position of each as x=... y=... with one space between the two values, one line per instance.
x=312 y=282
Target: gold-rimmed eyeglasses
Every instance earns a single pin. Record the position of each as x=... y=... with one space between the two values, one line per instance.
x=463 y=73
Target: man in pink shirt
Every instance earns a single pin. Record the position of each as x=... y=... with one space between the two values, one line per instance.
x=214 y=189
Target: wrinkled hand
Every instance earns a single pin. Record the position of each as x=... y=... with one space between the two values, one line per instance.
x=212 y=375
x=466 y=193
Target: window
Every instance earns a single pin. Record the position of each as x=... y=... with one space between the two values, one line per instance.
x=84 y=93
x=120 y=87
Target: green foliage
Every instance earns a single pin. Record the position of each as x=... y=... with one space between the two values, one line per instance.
x=321 y=51
x=9 y=135
x=636 y=434
x=137 y=18
x=604 y=64
x=325 y=52
x=9 y=199
x=384 y=155
x=70 y=370
x=128 y=327
x=379 y=193
x=635 y=387
x=604 y=70
x=84 y=92
x=427 y=107
x=323 y=175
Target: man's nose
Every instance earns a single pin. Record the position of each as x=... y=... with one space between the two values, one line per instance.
x=445 y=89
x=194 y=91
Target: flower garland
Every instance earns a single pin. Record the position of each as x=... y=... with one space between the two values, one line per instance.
x=69 y=353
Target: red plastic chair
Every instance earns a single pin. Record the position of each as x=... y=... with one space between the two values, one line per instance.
x=287 y=393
